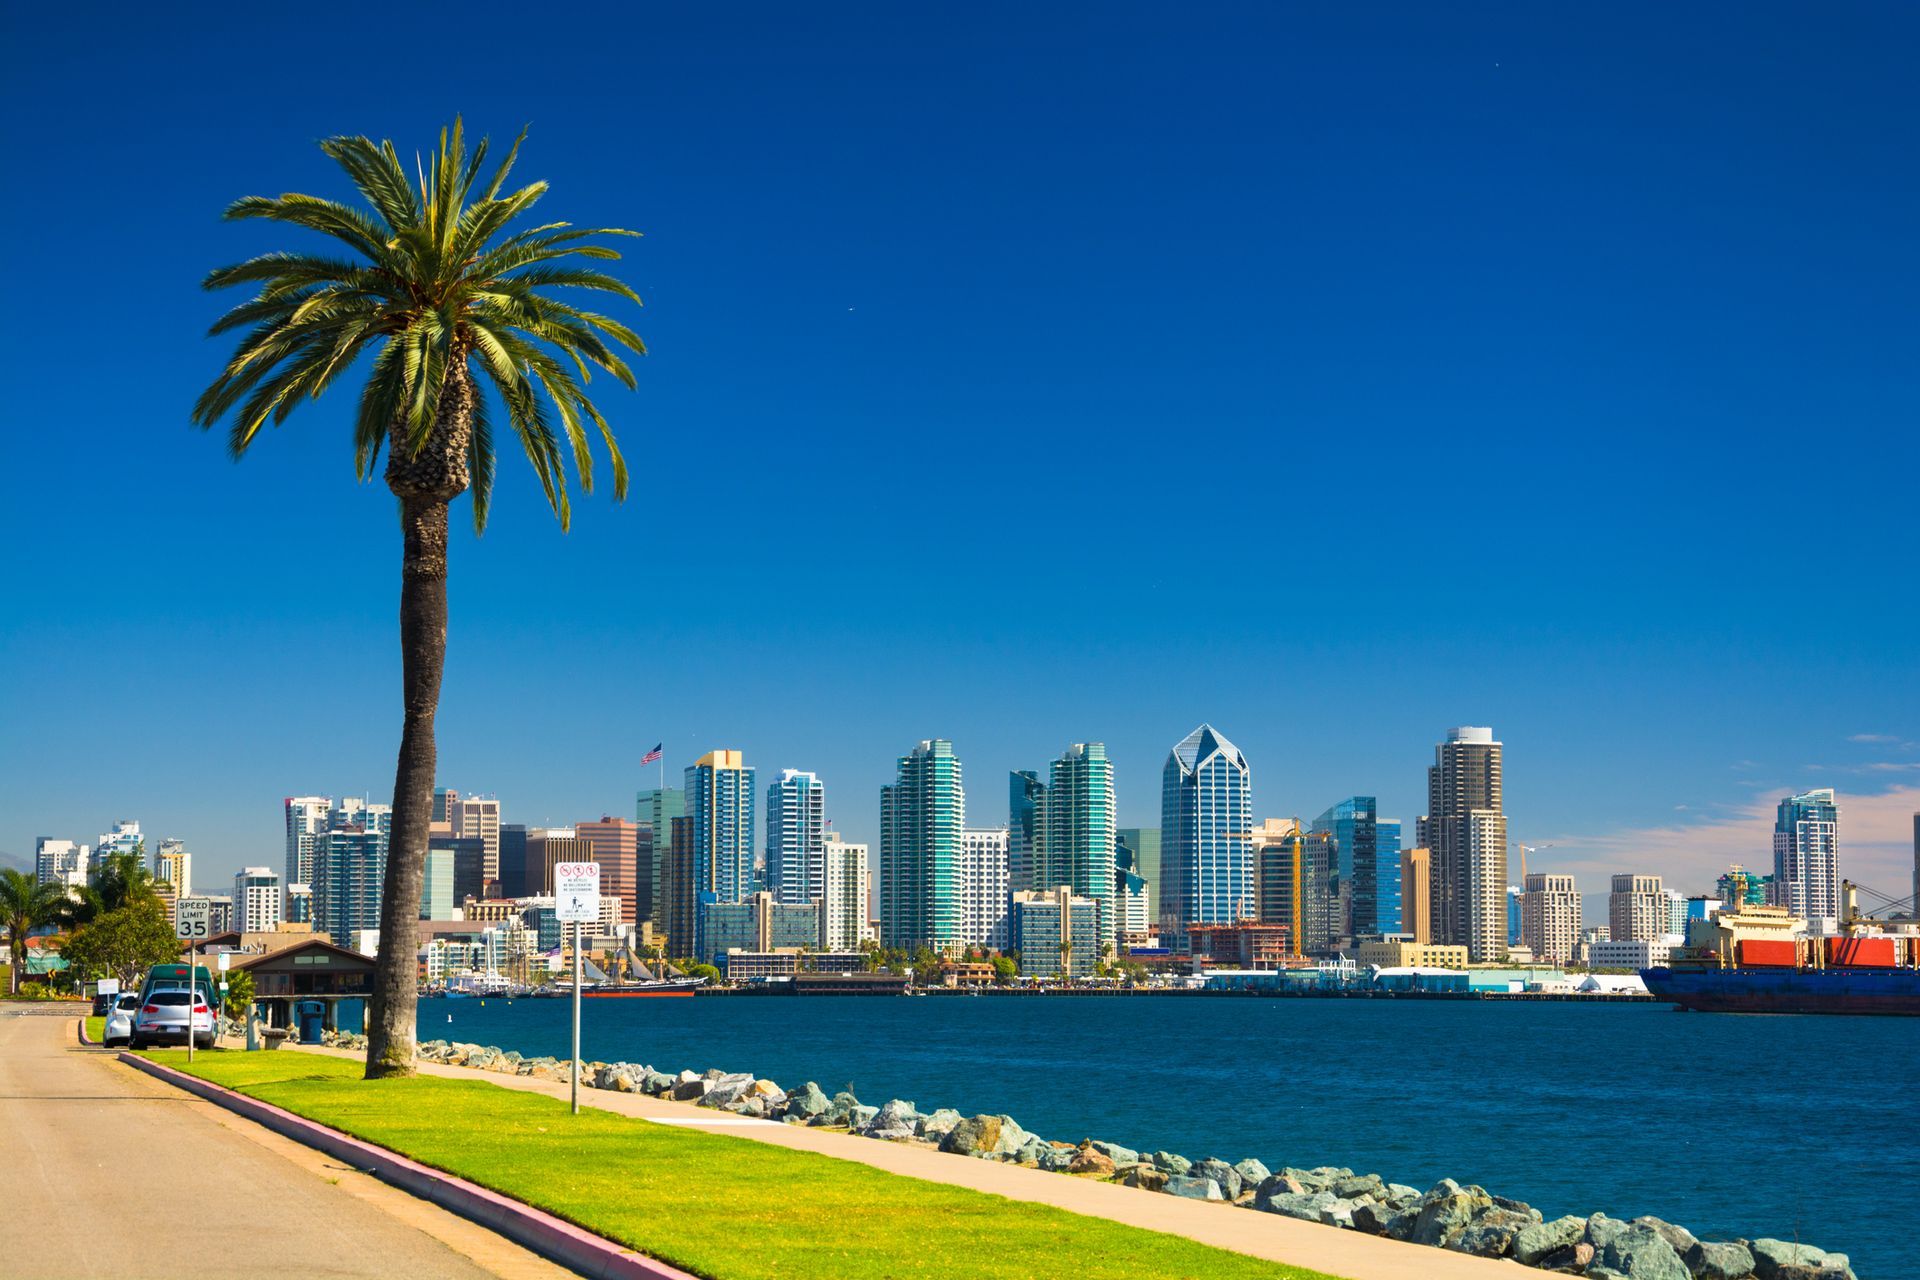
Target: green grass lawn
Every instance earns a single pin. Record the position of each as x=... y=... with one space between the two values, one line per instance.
x=97 y=1029
x=717 y=1206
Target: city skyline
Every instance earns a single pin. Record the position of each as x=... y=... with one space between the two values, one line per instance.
x=1886 y=843
x=1149 y=281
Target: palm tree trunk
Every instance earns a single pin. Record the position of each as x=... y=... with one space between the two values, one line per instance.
x=423 y=653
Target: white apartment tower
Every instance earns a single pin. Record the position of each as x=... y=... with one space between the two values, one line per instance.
x=306 y=819
x=796 y=837
x=1465 y=827
x=1637 y=909
x=1806 y=856
x=844 y=900
x=983 y=887
x=256 y=900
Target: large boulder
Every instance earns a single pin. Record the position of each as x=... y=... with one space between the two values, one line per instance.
x=656 y=1084
x=762 y=1098
x=806 y=1102
x=1309 y=1180
x=1278 y=1184
x=690 y=1087
x=1678 y=1236
x=1710 y=1261
x=727 y=1089
x=1360 y=1184
x=1538 y=1239
x=1601 y=1229
x=1643 y=1253
x=1115 y=1152
x=1168 y=1162
x=982 y=1137
x=1224 y=1175
x=1307 y=1208
x=938 y=1125
x=1372 y=1217
x=1573 y=1259
x=1340 y=1212
x=839 y=1112
x=1444 y=1217
x=1491 y=1235
x=1148 y=1177
x=895 y=1121
x=1785 y=1260
x=1088 y=1160
x=1252 y=1174
x=1032 y=1151
x=1192 y=1188
x=1059 y=1157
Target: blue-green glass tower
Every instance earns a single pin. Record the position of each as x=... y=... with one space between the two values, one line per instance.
x=921 y=816
x=1366 y=866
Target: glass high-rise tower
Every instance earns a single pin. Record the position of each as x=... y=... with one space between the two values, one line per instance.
x=720 y=801
x=1806 y=855
x=1365 y=885
x=796 y=837
x=922 y=813
x=1077 y=831
x=1025 y=794
x=1206 y=814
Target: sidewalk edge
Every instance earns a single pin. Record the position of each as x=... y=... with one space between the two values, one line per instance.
x=552 y=1238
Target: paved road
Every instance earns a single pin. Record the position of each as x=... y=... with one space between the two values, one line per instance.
x=111 y=1173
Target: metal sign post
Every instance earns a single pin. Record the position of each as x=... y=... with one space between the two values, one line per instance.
x=192 y=919
x=576 y=894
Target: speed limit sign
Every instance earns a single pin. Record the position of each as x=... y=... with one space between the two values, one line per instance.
x=193 y=919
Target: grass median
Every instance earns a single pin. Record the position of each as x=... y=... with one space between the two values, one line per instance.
x=718 y=1206
x=96 y=1029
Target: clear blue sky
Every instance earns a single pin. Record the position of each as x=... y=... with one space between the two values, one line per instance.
x=1021 y=375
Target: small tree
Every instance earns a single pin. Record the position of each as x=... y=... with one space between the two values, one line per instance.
x=239 y=993
x=1005 y=969
x=125 y=943
x=26 y=905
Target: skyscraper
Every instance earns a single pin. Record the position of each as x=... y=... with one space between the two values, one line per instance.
x=720 y=809
x=513 y=861
x=656 y=809
x=173 y=865
x=1145 y=843
x=796 y=837
x=616 y=847
x=1806 y=855
x=983 y=888
x=843 y=904
x=1292 y=884
x=1025 y=792
x=1075 y=832
x=1130 y=898
x=922 y=813
x=60 y=862
x=1550 y=917
x=1465 y=826
x=350 y=868
x=1636 y=909
x=1739 y=887
x=478 y=817
x=1206 y=811
x=1416 y=894
x=445 y=802
x=256 y=900
x=436 y=884
x=547 y=848
x=1366 y=867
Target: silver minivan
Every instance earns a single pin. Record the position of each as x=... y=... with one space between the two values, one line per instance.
x=162 y=1018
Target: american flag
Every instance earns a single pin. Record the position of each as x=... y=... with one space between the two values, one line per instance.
x=652 y=755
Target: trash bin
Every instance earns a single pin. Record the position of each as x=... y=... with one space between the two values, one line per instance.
x=311 y=1015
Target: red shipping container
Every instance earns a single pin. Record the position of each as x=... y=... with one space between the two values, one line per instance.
x=1771 y=953
x=1862 y=953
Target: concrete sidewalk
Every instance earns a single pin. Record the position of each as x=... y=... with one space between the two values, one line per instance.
x=1264 y=1235
x=111 y=1173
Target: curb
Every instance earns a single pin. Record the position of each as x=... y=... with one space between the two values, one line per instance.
x=552 y=1238
x=80 y=1026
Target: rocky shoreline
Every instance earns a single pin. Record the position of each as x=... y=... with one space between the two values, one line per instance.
x=1448 y=1215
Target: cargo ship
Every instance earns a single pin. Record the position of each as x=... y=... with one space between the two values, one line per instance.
x=1761 y=960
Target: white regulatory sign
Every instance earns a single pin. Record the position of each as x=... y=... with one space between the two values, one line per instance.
x=576 y=892
x=192 y=919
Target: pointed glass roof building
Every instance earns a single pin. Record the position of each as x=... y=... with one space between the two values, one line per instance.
x=1206 y=817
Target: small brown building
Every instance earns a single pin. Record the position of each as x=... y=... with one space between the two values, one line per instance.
x=313 y=973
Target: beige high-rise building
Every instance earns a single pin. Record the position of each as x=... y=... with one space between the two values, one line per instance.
x=480 y=816
x=1550 y=917
x=1637 y=909
x=1465 y=827
x=173 y=865
x=1416 y=894
x=548 y=846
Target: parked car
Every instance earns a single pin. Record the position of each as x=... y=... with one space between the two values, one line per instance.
x=119 y=1028
x=162 y=1018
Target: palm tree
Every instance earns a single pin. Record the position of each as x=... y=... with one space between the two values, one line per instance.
x=448 y=302
x=26 y=905
x=120 y=880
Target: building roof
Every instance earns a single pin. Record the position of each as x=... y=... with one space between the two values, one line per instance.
x=283 y=959
x=1202 y=743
